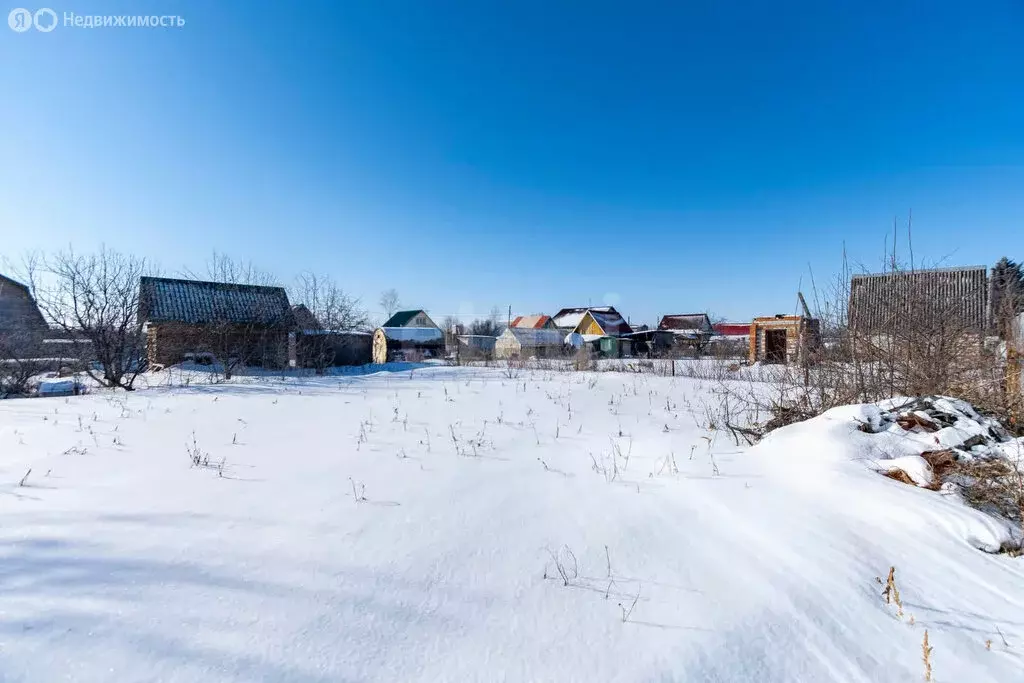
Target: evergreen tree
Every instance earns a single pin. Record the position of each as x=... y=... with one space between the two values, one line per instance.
x=1007 y=294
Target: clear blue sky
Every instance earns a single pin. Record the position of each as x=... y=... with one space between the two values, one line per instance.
x=665 y=157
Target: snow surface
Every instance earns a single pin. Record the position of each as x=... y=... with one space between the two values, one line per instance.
x=399 y=526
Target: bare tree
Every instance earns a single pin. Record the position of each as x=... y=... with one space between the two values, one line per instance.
x=94 y=300
x=335 y=312
x=484 y=327
x=389 y=302
x=222 y=268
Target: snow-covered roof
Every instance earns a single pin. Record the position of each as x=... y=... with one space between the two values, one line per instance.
x=571 y=318
x=419 y=334
x=611 y=322
x=538 y=337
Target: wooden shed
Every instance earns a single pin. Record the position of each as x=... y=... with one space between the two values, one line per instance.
x=191 y=317
x=520 y=342
x=690 y=330
x=784 y=339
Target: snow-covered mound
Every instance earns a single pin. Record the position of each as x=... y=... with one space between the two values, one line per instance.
x=453 y=524
x=880 y=438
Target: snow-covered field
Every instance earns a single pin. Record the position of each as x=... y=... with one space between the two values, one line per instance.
x=401 y=526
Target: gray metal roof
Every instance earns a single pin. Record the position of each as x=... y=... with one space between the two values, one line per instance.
x=694 y=322
x=197 y=302
x=883 y=302
x=527 y=336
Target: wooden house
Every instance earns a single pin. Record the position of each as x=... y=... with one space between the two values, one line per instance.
x=192 y=318
x=690 y=330
x=519 y=342
x=596 y=321
x=600 y=327
x=408 y=335
x=19 y=314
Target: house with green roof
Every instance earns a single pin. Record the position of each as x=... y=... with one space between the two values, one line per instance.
x=407 y=335
x=410 y=319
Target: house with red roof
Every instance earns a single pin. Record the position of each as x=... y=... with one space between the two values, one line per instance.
x=533 y=322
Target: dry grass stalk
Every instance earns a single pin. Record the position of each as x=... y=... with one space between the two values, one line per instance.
x=926 y=656
x=891 y=593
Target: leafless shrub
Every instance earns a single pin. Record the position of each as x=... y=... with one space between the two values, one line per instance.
x=910 y=337
x=21 y=360
x=513 y=367
x=583 y=359
x=992 y=485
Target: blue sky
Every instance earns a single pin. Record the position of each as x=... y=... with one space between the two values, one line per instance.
x=664 y=157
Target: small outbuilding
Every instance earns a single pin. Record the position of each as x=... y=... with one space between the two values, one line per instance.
x=690 y=330
x=784 y=339
x=516 y=342
x=653 y=343
x=475 y=346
